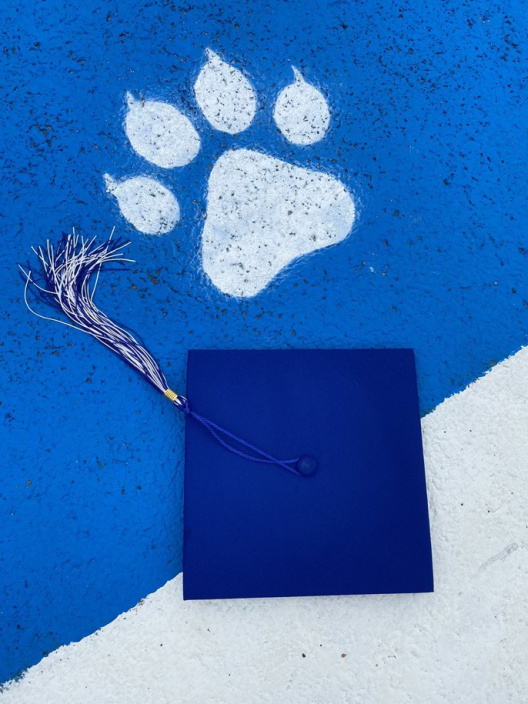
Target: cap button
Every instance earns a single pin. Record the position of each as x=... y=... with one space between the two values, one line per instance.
x=306 y=465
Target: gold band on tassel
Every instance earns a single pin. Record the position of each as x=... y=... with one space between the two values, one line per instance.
x=171 y=395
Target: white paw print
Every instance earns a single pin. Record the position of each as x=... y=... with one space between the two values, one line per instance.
x=262 y=212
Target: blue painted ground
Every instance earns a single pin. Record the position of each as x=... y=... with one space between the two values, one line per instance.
x=428 y=131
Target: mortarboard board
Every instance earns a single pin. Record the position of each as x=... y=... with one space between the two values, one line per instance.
x=358 y=525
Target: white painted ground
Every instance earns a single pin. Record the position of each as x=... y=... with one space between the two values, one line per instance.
x=467 y=642
x=301 y=112
x=225 y=96
x=262 y=212
x=145 y=203
x=160 y=133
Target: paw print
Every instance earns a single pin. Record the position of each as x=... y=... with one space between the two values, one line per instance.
x=262 y=212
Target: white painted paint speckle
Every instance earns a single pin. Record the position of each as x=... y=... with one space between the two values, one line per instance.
x=262 y=213
x=160 y=133
x=301 y=112
x=145 y=203
x=225 y=95
x=465 y=643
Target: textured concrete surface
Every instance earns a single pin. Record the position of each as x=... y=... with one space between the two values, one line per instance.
x=467 y=642
x=427 y=132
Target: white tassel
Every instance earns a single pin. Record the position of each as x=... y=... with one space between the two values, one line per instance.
x=70 y=272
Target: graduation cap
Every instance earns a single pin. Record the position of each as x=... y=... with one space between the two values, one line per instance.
x=355 y=523
x=345 y=513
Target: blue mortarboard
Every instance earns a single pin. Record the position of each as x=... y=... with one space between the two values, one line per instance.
x=345 y=514
x=358 y=525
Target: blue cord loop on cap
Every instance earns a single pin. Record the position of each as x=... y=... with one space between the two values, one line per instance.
x=304 y=466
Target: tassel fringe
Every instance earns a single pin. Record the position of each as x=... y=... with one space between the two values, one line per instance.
x=68 y=281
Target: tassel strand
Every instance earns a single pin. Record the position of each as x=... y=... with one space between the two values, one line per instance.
x=67 y=270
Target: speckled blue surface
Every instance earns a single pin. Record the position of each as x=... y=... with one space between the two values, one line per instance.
x=429 y=114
